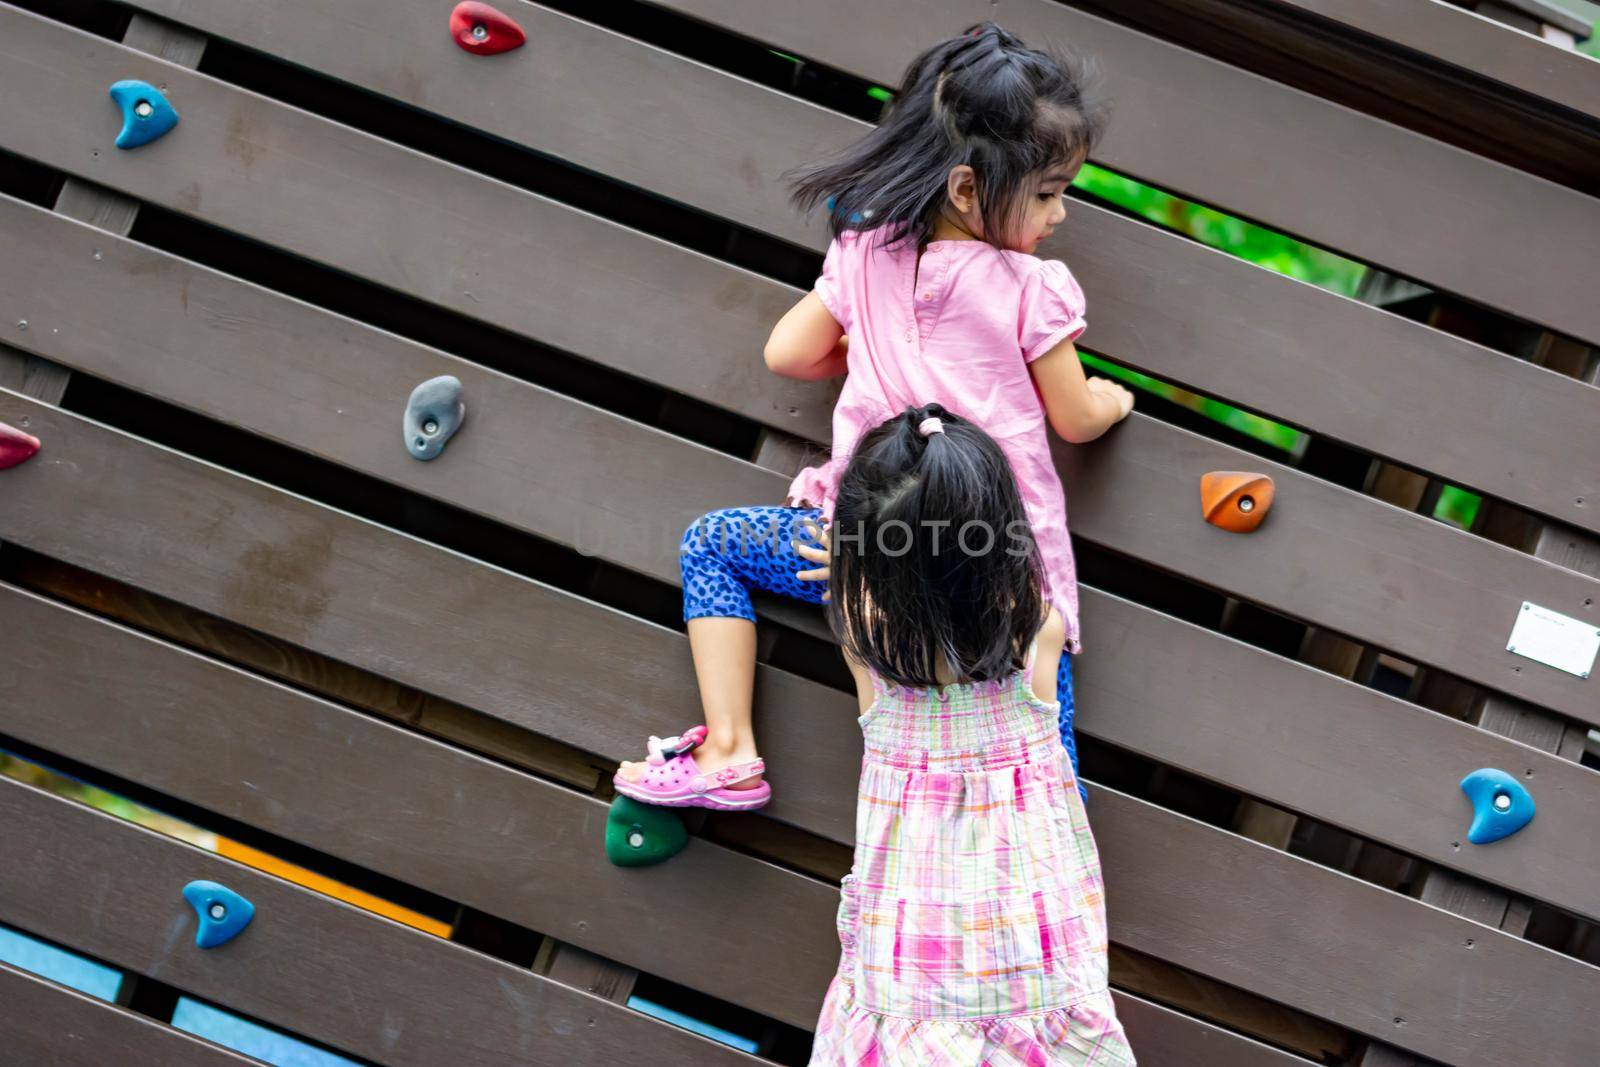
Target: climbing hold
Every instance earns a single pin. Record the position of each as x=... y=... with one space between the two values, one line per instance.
x=223 y=913
x=146 y=114
x=1500 y=804
x=433 y=415
x=15 y=446
x=1236 y=501
x=482 y=30
x=856 y=217
x=638 y=835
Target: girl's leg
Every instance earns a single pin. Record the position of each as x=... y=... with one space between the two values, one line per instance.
x=1069 y=710
x=723 y=555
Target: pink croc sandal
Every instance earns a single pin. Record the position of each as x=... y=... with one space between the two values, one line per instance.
x=672 y=779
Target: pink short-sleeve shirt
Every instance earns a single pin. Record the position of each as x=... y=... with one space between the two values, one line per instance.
x=959 y=328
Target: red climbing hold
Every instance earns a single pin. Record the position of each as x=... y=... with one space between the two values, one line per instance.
x=482 y=30
x=15 y=446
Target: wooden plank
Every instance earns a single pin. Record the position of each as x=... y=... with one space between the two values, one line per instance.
x=46 y=1023
x=345 y=411
x=153 y=323
x=430 y=618
x=1174 y=886
x=1422 y=964
x=1331 y=556
x=1472 y=44
x=1160 y=1035
x=100 y=207
x=1345 y=753
x=1541 y=13
x=388 y=992
x=265 y=765
x=447 y=821
x=1430 y=66
x=1189 y=123
x=1447 y=889
x=454 y=823
x=1164 y=304
x=184 y=539
x=485 y=249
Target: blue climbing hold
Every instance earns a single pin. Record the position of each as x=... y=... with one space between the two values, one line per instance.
x=146 y=115
x=855 y=216
x=433 y=415
x=223 y=913
x=1500 y=803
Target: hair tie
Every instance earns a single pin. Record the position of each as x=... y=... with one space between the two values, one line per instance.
x=930 y=425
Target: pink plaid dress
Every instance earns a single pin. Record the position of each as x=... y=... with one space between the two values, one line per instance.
x=972 y=926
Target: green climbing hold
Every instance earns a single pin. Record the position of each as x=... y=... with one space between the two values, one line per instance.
x=638 y=835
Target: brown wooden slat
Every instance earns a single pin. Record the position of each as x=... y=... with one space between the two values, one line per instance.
x=485 y=249
x=511 y=647
x=345 y=411
x=446 y=820
x=1345 y=753
x=1188 y=878
x=1474 y=44
x=1161 y=1036
x=426 y=813
x=45 y=1023
x=442 y=815
x=1447 y=983
x=1187 y=122
x=253 y=358
x=458 y=628
x=1430 y=67
x=1331 y=556
x=308 y=963
x=1161 y=303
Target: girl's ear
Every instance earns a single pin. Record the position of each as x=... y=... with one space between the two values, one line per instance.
x=961 y=185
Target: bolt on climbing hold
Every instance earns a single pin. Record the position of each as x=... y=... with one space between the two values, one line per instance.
x=433 y=415
x=146 y=115
x=1236 y=501
x=222 y=912
x=15 y=446
x=639 y=835
x=1501 y=805
x=483 y=30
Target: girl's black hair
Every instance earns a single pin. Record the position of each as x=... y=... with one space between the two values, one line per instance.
x=983 y=99
x=932 y=555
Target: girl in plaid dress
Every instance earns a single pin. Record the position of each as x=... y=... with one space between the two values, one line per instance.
x=972 y=926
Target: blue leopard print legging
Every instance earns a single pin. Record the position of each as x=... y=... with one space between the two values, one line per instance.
x=724 y=554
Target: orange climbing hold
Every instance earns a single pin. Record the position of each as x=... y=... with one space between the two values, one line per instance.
x=484 y=31
x=1236 y=501
x=15 y=446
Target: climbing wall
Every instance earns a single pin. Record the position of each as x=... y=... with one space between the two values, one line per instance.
x=361 y=365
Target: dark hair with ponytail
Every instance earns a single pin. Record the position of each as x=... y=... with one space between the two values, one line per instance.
x=910 y=582
x=983 y=99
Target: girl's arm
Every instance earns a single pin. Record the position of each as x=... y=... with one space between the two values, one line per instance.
x=1079 y=408
x=807 y=343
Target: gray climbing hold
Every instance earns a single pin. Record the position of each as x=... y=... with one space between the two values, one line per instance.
x=433 y=415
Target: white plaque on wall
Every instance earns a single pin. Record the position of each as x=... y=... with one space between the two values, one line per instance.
x=1554 y=639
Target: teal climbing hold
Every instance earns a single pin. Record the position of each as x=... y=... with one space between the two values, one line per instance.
x=223 y=913
x=433 y=415
x=1500 y=804
x=638 y=835
x=146 y=115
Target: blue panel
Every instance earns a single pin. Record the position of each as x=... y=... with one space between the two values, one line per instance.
x=251 y=1038
x=677 y=1018
x=59 y=965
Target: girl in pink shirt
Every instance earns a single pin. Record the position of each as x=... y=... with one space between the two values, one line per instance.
x=929 y=293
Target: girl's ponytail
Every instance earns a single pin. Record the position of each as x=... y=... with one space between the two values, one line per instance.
x=933 y=556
